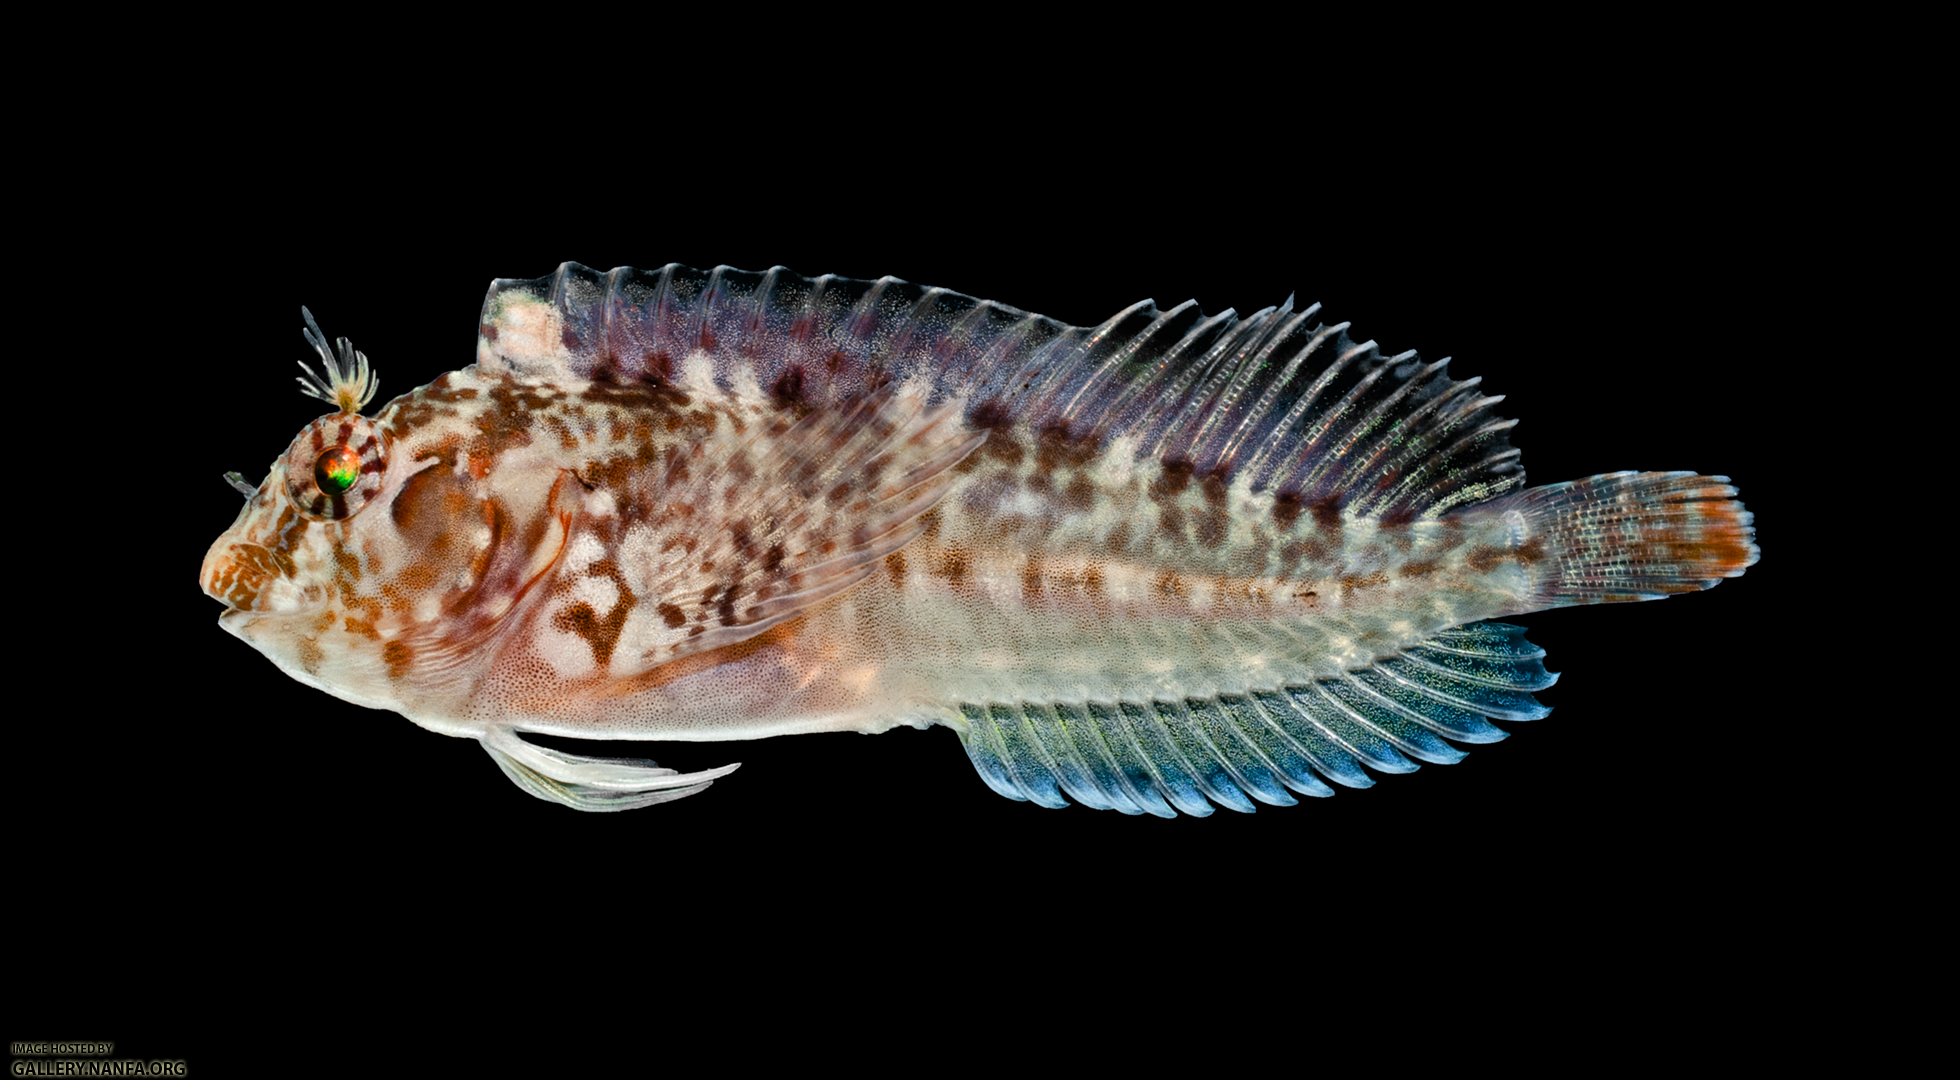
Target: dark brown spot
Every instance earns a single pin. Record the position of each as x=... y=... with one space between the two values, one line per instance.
x=600 y=634
x=1397 y=516
x=1055 y=449
x=1170 y=586
x=1172 y=482
x=1306 y=553
x=1357 y=582
x=362 y=627
x=1210 y=525
x=398 y=656
x=1080 y=493
x=1532 y=550
x=1214 y=490
x=348 y=563
x=1031 y=579
x=671 y=615
x=951 y=564
x=1327 y=513
x=788 y=390
x=895 y=566
x=1092 y=580
x=994 y=418
x=1170 y=520
x=1485 y=557
x=1419 y=568
x=991 y=415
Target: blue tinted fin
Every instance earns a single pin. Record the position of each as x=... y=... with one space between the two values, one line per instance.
x=1161 y=757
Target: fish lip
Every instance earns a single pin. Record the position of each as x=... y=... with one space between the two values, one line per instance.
x=276 y=594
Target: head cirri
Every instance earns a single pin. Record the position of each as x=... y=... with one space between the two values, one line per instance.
x=282 y=568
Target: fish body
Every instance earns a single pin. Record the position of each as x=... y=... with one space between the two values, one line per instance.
x=1163 y=563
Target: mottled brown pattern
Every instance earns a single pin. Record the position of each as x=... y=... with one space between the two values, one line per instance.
x=599 y=632
x=1327 y=514
x=1057 y=449
x=1171 y=482
x=1486 y=557
x=951 y=564
x=1286 y=509
x=1210 y=525
x=399 y=657
x=347 y=563
x=1351 y=583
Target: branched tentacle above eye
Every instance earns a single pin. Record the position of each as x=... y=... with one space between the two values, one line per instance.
x=349 y=384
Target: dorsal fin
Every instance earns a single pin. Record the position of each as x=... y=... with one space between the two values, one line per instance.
x=1279 y=399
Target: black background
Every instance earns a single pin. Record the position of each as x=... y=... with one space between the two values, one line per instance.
x=1619 y=298
x=1608 y=362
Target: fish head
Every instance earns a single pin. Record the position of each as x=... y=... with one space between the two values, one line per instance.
x=288 y=568
x=358 y=551
x=278 y=557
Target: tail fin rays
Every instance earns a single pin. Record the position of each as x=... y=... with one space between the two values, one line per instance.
x=1635 y=536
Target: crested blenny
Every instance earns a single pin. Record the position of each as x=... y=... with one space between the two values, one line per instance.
x=1152 y=565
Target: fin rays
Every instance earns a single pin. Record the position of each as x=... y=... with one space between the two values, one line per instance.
x=589 y=783
x=1291 y=402
x=1162 y=757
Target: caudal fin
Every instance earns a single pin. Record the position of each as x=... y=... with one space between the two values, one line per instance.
x=1635 y=536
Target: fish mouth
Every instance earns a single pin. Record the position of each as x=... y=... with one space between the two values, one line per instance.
x=247 y=577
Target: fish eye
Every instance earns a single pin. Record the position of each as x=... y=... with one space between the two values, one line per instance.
x=334 y=467
x=336 y=470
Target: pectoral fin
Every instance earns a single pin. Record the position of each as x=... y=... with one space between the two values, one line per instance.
x=756 y=534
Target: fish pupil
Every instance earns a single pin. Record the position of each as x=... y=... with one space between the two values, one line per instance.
x=335 y=470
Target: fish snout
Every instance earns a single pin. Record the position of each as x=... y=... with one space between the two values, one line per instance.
x=250 y=577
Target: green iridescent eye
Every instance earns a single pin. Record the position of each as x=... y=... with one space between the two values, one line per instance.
x=336 y=470
x=335 y=466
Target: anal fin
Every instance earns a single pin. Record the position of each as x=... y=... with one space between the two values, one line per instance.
x=1160 y=757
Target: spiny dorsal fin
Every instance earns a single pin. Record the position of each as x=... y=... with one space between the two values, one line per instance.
x=1289 y=403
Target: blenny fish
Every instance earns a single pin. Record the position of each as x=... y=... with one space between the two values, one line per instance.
x=1166 y=562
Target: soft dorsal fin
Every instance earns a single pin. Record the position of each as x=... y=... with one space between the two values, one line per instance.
x=1285 y=402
